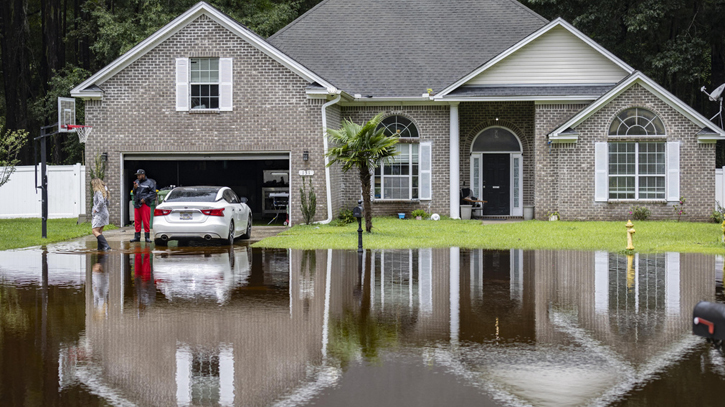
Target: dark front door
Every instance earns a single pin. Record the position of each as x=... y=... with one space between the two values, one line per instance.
x=496 y=184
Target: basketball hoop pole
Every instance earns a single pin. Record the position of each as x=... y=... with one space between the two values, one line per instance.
x=45 y=132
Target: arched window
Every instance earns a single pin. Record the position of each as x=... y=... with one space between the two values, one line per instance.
x=636 y=169
x=637 y=121
x=496 y=139
x=407 y=176
x=400 y=126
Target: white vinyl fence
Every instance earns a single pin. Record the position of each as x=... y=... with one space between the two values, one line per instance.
x=66 y=192
x=720 y=186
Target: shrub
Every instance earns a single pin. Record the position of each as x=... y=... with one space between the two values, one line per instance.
x=639 y=212
x=345 y=217
x=718 y=215
x=308 y=202
x=680 y=209
x=419 y=212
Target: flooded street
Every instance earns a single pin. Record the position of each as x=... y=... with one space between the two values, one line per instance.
x=220 y=326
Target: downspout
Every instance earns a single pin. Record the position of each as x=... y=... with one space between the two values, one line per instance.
x=327 y=160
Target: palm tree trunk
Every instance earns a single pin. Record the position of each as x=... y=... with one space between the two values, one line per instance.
x=367 y=206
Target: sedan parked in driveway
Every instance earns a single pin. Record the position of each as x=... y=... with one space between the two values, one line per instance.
x=202 y=212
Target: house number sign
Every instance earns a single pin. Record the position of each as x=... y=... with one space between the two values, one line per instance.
x=307 y=173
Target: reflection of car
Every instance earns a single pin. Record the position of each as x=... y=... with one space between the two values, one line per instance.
x=202 y=275
x=202 y=213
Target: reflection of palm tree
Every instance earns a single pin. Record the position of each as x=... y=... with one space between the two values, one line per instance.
x=361 y=333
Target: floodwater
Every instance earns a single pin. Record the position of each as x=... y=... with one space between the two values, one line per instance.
x=208 y=326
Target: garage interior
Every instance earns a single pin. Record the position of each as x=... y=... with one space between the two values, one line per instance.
x=252 y=176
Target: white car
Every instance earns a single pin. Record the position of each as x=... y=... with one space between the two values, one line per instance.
x=202 y=213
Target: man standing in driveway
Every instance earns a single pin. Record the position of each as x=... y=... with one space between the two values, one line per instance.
x=144 y=192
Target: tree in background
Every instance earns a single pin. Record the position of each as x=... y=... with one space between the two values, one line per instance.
x=362 y=147
x=11 y=141
x=49 y=46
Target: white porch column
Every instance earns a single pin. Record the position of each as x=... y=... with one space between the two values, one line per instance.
x=454 y=163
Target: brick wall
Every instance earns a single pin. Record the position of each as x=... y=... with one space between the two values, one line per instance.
x=567 y=185
x=271 y=111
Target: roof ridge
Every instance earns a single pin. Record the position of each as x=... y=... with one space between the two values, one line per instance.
x=296 y=20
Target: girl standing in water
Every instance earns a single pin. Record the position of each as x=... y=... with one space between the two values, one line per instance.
x=100 y=212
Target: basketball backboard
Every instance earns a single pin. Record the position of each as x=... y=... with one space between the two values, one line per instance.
x=66 y=114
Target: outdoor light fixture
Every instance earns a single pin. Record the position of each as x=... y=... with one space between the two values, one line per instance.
x=305 y=155
x=104 y=157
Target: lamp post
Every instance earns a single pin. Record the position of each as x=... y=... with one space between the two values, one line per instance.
x=358 y=213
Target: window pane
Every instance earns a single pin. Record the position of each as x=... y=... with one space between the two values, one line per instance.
x=496 y=139
x=214 y=64
x=621 y=158
x=214 y=90
x=195 y=90
x=636 y=122
x=652 y=158
x=194 y=76
x=400 y=126
x=621 y=187
x=652 y=187
x=213 y=103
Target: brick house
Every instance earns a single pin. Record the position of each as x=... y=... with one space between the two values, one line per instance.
x=533 y=117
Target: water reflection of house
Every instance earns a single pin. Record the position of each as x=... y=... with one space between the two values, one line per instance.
x=601 y=323
x=187 y=348
x=544 y=327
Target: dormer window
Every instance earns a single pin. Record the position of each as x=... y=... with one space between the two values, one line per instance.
x=204 y=83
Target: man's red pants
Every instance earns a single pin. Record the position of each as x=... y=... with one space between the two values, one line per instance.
x=142 y=214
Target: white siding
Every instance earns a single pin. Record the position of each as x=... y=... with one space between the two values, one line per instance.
x=557 y=57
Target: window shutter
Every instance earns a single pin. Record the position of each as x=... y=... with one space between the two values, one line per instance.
x=182 y=84
x=226 y=90
x=425 y=171
x=673 y=171
x=601 y=162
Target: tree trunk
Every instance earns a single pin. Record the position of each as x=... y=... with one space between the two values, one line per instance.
x=14 y=50
x=367 y=206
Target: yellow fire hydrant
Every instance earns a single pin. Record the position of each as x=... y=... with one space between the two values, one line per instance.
x=630 y=232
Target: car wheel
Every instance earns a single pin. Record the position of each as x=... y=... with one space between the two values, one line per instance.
x=231 y=234
x=248 y=233
x=160 y=242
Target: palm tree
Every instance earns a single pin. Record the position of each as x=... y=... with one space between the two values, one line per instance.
x=362 y=147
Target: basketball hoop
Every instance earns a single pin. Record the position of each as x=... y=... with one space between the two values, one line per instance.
x=82 y=131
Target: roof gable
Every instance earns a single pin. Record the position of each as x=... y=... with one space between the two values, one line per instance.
x=567 y=133
x=556 y=57
x=557 y=53
x=86 y=88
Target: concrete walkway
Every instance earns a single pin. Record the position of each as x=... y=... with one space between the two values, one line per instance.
x=119 y=238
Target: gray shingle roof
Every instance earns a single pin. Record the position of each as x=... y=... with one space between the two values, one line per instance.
x=388 y=48
x=502 y=91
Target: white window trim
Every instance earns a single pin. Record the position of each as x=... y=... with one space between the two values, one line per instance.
x=637 y=175
x=410 y=178
x=218 y=83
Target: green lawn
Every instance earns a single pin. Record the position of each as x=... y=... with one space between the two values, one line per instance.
x=392 y=233
x=16 y=233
